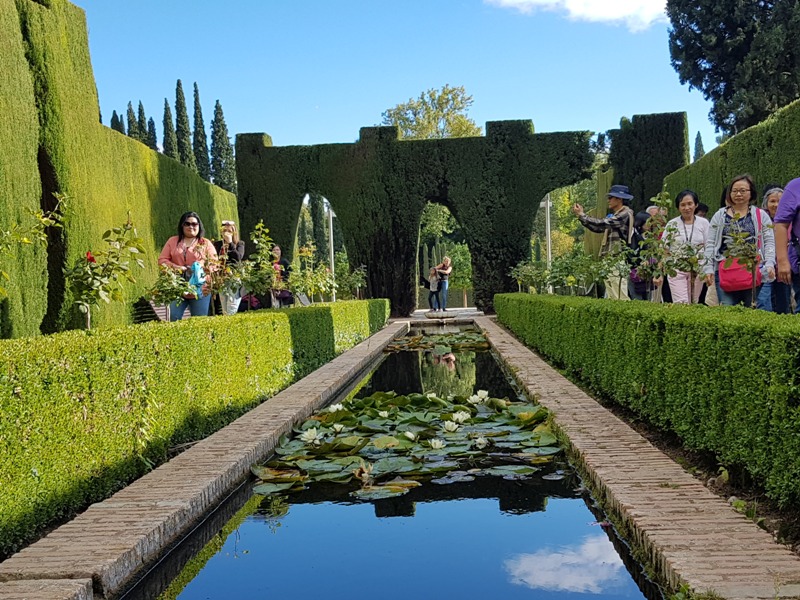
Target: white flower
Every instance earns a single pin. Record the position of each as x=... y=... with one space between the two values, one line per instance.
x=311 y=436
x=474 y=400
x=461 y=416
x=437 y=444
x=481 y=443
x=450 y=397
x=338 y=427
x=410 y=435
x=431 y=395
x=335 y=407
x=384 y=414
x=450 y=426
x=483 y=394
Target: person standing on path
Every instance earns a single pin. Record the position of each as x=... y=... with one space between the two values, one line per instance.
x=443 y=270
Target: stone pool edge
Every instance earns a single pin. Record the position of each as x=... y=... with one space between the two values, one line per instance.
x=97 y=553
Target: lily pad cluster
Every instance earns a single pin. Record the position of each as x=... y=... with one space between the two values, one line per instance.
x=389 y=443
x=441 y=343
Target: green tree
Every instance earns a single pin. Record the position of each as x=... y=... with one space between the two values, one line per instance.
x=338 y=236
x=435 y=114
x=141 y=123
x=742 y=55
x=305 y=231
x=183 y=132
x=152 y=136
x=116 y=123
x=699 y=152
x=200 y=142
x=170 y=140
x=133 y=124
x=316 y=205
x=223 y=163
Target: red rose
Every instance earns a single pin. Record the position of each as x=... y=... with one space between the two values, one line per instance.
x=90 y=258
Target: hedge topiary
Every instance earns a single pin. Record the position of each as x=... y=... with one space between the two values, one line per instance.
x=768 y=151
x=379 y=186
x=86 y=412
x=725 y=380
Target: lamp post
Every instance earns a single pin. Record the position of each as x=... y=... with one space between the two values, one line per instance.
x=330 y=244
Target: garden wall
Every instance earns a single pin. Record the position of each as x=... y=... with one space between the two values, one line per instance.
x=724 y=380
x=83 y=413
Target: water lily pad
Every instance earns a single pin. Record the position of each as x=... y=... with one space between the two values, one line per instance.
x=265 y=489
x=553 y=476
x=399 y=481
x=341 y=477
x=534 y=449
x=394 y=464
x=379 y=492
x=502 y=470
x=315 y=467
x=268 y=474
x=454 y=477
x=385 y=441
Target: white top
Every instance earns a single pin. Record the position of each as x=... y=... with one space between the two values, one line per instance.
x=695 y=234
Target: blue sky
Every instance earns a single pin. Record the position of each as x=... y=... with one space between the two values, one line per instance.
x=315 y=71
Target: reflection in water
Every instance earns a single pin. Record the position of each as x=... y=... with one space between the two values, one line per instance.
x=591 y=567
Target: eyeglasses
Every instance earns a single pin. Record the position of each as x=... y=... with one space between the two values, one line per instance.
x=228 y=223
x=191 y=224
x=740 y=192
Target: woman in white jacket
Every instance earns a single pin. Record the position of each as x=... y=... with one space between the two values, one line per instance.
x=739 y=214
x=686 y=230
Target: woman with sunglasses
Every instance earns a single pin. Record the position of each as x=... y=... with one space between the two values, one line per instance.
x=230 y=250
x=181 y=252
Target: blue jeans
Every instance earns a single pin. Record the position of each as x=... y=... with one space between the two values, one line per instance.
x=764 y=299
x=733 y=298
x=782 y=298
x=443 y=294
x=198 y=307
x=433 y=300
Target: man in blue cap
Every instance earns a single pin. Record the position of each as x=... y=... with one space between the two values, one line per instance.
x=616 y=228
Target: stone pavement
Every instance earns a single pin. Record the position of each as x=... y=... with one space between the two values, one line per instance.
x=690 y=535
x=113 y=539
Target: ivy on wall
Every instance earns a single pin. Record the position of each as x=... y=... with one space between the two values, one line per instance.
x=379 y=185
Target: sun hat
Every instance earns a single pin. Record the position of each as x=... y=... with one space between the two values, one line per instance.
x=620 y=191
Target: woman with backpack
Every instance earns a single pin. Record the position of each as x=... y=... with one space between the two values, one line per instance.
x=686 y=235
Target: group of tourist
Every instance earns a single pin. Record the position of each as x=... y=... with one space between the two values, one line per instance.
x=722 y=276
x=196 y=258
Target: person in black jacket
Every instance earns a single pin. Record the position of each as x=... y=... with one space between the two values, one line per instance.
x=230 y=250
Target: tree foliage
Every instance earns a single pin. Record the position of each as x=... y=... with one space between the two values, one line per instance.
x=435 y=114
x=117 y=124
x=742 y=55
x=223 y=163
x=183 y=132
x=141 y=123
x=200 y=142
x=320 y=237
x=699 y=151
x=170 y=140
x=133 y=124
x=152 y=137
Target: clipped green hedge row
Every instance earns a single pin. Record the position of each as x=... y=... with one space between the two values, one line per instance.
x=83 y=413
x=725 y=380
x=105 y=174
x=768 y=151
x=645 y=149
x=379 y=186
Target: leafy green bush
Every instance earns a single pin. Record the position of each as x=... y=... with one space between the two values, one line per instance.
x=85 y=412
x=724 y=379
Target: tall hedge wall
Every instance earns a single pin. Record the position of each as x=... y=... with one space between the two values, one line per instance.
x=83 y=413
x=105 y=174
x=20 y=189
x=725 y=380
x=645 y=149
x=379 y=186
x=768 y=151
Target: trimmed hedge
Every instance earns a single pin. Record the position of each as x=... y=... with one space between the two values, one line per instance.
x=104 y=173
x=379 y=186
x=646 y=149
x=20 y=189
x=86 y=412
x=767 y=151
x=725 y=380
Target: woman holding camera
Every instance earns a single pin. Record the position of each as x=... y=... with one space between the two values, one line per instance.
x=189 y=252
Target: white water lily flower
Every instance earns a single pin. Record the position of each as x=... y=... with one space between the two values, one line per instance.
x=410 y=435
x=338 y=427
x=431 y=395
x=483 y=394
x=474 y=399
x=383 y=414
x=481 y=443
x=311 y=436
x=437 y=444
x=450 y=397
x=461 y=416
x=335 y=407
x=450 y=426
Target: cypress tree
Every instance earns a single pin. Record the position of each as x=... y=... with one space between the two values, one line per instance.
x=305 y=232
x=698 y=147
x=199 y=139
x=133 y=126
x=338 y=236
x=183 y=132
x=116 y=123
x=152 y=138
x=317 y=207
x=141 y=123
x=170 y=141
x=121 y=123
x=223 y=163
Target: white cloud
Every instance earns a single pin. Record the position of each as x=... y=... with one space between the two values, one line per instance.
x=635 y=14
x=593 y=567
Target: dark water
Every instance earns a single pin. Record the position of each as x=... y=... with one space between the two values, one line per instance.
x=491 y=538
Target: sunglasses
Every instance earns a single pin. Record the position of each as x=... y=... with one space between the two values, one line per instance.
x=228 y=223
x=191 y=224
